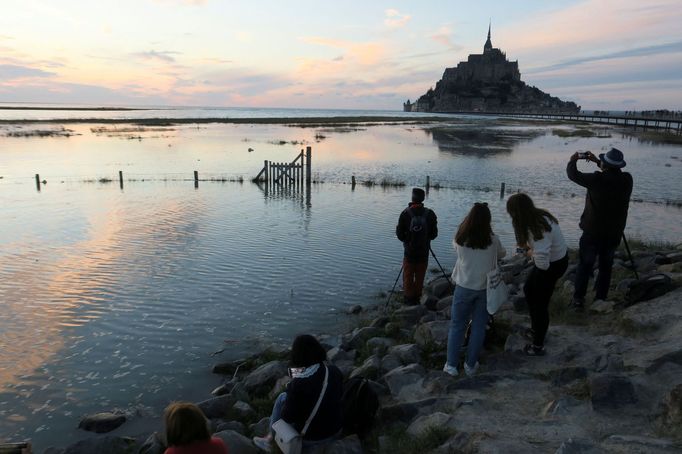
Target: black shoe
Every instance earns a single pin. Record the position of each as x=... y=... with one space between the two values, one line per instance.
x=534 y=350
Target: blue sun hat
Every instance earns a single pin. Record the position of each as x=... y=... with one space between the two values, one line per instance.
x=613 y=158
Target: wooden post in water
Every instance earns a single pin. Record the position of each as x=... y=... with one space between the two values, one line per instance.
x=38 y=182
x=502 y=191
x=196 y=178
x=352 y=182
x=265 y=166
x=428 y=182
x=309 y=174
x=120 y=179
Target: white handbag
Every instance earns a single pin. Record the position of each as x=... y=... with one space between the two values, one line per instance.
x=497 y=292
x=286 y=436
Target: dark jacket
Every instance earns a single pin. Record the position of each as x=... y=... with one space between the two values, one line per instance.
x=606 y=202
x=302 y=395
x=402 y=231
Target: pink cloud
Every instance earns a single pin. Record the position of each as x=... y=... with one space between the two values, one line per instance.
x=396 y=19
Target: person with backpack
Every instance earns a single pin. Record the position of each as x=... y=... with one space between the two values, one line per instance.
x=311 y=403
x=539 y=235
x=478 y=250
x=417 y=227
x=603 y=219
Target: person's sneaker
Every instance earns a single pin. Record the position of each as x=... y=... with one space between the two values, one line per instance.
x=451 y=370
x=470 y=371
x=534 y=350
x=263 y=443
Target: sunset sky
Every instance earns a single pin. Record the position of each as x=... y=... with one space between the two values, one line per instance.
x=602 y=54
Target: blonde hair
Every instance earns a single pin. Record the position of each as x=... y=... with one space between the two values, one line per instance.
x=185 y=424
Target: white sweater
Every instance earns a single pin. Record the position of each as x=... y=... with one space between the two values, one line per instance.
x=550 y=248
x=473 y=265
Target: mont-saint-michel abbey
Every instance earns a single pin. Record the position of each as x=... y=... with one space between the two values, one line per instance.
x=487 y=82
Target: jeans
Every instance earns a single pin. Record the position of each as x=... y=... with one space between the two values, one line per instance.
x=590 y=248
x=277 y=410
x=467 y=305
x=538 y=290
x=413 y=280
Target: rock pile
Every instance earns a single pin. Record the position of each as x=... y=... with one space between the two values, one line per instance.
x=611 y=380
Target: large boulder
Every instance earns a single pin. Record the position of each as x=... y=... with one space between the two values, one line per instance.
x=405 y=381
x=432 y=333
x=408 y=353
x=236 y=442
x=390 y=362
x=572 y=446
x=369 y=369
x=423 y=423
x=611 y=392
x=439 y=287
x=337 y=354
x=154 y=444
x=380 y=344
x=102 y=445
x=261 y=380
x=361 y=335
x=102 y=422
x=348 y=445
x=671 y=418
x=217 y=407
x=261 y=428
x=409 y=315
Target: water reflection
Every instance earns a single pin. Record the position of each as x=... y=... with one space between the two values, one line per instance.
x=482 y=141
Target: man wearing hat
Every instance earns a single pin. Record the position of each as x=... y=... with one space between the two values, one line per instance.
x=417 y=226
x=603 y=219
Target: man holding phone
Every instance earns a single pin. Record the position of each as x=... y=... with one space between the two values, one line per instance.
x=603 y=219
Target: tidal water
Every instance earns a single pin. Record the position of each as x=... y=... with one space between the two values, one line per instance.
x=116 y=298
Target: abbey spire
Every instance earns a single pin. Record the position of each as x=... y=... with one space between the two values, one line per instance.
x=488 y=45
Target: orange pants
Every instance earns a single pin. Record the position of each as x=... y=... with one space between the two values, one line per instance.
x=413 y=280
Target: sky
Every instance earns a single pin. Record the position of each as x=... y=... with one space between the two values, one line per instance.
x=602 y=54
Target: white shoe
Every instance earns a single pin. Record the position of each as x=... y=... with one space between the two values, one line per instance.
x=470 y=371
x=450 y=370
x=263 y=443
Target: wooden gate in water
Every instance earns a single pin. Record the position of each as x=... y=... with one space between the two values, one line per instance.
x=287 y=174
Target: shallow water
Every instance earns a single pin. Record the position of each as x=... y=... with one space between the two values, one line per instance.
x=117 y=298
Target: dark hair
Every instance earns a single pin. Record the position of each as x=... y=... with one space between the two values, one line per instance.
x=306 y=351
x=475 y=230
x=185 y=424
x=527 y=219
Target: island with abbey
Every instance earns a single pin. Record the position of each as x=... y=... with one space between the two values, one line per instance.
x=487 y=83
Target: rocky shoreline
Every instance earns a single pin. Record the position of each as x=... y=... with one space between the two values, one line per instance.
x=611 y=380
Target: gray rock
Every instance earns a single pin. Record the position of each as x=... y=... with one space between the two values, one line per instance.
x=243 y=410
x=560 y=407
x=337 y=353
x=443 y=303
x=154 y=444
x=674 y=257
x=403 y=411
x=261 y=428
x=609 y=363
x=432 y=333
x=217 y=407
x=102 y=422
x=346 y=366
x=348 y=445
x=228 y=368
x=380 y=322
x=279 y=386
x=404 y=380
x=381 y=343
x=567 y=375
x=671 y=418
x=625 y=284
x=514 y=343
x=239 y=392
x=261 y=380
x=611 y=392
x=671 y=268
x=223 y=389
x=236 y=426
x=354 y=310
x=408 y=353
x=440 y=287
x=422 y=423
x=428 y=317
x=409 y=315
x=637 y=444
x=390 y=362
x=602 y=307
x=362 y=335
x=429 y=302
x=102 y=445
x=572 y=446
x=236 y=442
x=369 y=369
x=458 y=443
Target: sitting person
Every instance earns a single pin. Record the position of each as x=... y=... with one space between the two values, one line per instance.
x=296 y=404
x=187 y=431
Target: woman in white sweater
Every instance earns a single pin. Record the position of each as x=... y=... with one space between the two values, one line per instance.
x=538 y=232
x=478 y=250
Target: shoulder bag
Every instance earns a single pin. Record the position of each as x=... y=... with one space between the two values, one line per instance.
x=286 y=436
x=496 y=290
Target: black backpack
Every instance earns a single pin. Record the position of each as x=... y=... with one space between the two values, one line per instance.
x=418 y=240
x=359 y=406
